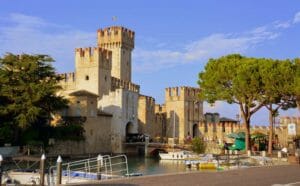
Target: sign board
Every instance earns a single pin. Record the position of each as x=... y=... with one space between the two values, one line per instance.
x=292 y=129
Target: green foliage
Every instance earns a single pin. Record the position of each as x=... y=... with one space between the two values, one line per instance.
x=28 y=87
x=69 y=132
x=234 y=79
x=251 y=83
x=278 y=88
x=278 y=84
x=198 y=145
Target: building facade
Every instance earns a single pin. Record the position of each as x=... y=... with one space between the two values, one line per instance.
x=102 y=91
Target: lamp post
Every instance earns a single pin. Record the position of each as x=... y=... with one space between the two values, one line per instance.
x=1 y=159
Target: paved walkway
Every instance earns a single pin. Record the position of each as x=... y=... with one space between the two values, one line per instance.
x=288 y=175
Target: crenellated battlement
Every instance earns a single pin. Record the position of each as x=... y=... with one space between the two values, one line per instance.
x=68 y=81
x=182 y=93
x=148 y=99
x=160 y=108
x=115 y=36
x=285 y=120
x=118 y=83
x=68 y=77
x=93 y=56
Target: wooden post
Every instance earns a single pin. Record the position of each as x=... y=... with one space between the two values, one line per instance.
x=248 y=153
x=99 y=165
x=42 y=170
x=58 y=170
x=279 y=154
x=1 y=159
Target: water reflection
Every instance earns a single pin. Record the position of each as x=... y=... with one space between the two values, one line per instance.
x=150 y=166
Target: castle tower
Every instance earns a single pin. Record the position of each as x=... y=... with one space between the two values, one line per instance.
x=93 y=66
x=184 y=111
x=120 y=41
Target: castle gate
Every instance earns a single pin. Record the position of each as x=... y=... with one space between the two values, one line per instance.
x=129 y=128
x=195 y=130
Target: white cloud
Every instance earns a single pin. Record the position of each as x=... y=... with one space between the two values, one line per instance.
x=283 y=25
x=22 y=33
x=212 y=46
x=27 y=34
x=297 y=18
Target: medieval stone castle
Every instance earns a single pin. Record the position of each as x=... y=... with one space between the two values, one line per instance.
x=101 y=90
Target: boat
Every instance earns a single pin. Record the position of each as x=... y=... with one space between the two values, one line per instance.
x=177 y=155
x=134 y=174
x=207 y=161
x=96 y=168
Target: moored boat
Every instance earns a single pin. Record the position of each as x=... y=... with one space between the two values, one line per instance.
x=177 y=155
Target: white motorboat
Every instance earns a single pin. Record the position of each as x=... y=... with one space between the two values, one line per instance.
x=177 y=155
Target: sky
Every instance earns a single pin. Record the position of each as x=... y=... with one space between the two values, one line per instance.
x=174 y=39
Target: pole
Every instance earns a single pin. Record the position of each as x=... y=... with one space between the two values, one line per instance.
x=58 y=169
x=1 y=159
x=99 y=165
x=42 y=170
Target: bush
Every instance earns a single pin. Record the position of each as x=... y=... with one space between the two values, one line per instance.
x=198 y=145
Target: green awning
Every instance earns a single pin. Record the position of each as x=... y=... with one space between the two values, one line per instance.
x=239 y=135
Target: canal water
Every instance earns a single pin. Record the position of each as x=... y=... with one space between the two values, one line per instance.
x=150 y=166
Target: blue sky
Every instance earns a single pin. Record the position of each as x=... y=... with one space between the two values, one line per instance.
x=174 y=39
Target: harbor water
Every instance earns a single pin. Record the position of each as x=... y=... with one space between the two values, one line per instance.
x=151 y=166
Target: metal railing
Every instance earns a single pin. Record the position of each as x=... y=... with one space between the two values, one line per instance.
x=97 y=168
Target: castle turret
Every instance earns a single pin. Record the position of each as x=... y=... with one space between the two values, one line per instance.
x=188 y=109
x=120 y=41
x=93 y=66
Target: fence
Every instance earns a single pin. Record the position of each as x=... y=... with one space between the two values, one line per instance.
x=97 y=168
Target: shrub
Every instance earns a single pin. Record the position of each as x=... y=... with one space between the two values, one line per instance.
x=198 y=145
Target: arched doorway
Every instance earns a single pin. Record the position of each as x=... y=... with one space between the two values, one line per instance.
x=195 y=130
x=129 y=133
x=129 y=128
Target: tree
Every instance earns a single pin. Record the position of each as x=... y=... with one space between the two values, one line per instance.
x=198 y=145
x=278 y=89
x=28 y=87
x=234 y=79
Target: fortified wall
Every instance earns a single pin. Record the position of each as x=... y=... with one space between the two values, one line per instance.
x=105 y=72
x=219 y=131
x=184 y=111
x=118 y=83
x=68 y=82
x=101 y=90
x=146 y=114
x=120 y=41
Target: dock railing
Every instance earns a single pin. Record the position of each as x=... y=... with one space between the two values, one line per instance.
x=97 y=168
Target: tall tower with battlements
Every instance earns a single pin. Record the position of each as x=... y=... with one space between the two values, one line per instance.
x=93 y=67
x=184 y=112
x=120 y=41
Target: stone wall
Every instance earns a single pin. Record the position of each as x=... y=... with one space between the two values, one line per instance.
x=184 y=110
x=146 y=115
x=97 y=135
x=122 y=104
x=121 y=42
